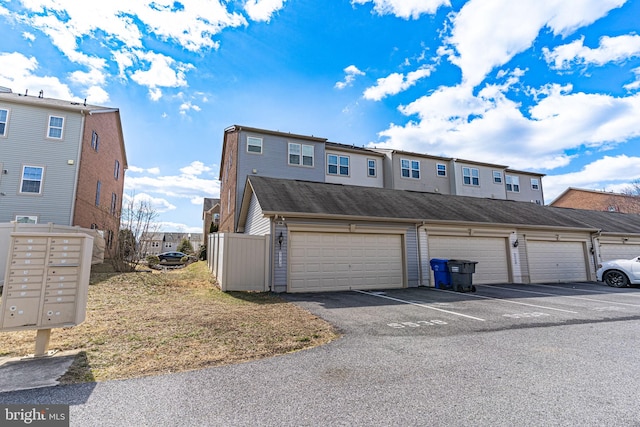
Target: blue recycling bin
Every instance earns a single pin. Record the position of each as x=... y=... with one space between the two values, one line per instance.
x=441 y=274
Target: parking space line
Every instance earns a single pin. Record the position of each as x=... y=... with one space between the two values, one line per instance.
x=564 y=296
x=420 y=305
x=587 y=290
x=513 y=302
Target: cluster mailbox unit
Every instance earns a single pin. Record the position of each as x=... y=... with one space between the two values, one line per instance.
x=46 y=283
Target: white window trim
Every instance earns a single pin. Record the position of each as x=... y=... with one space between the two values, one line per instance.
x=444 y=165
x=493 y=174
x=95 y=140
x=31 y=217
x=375 y=168
x=537 y=185
x=470 y=175
x=509 y=182
x=255 y=144
x=338 y=165
x=301 y=154
x=6 y=123
x=22 y=181
x=49 y=127
x=411 y=169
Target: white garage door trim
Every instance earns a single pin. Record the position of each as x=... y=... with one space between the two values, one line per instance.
x=489 y=252
x=556 y=262
x=334 y=261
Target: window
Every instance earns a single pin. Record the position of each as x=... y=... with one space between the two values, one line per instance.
x=497 y=177
x=94 y=226
x=535 y=184
x=98 y=185
x=471 y=176
x=512 y=183
x=254 y=145
x=337 y=165
x=300 y=154
x=116 y=170
x=114 y=204
x=95 y=140
x=31 y=179
x=26 y=219
x=441 y=169
x=410 y=168
x=55 y=127
x=4 y=116
x=371 y=168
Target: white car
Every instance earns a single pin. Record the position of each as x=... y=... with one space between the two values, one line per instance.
x=619 y=272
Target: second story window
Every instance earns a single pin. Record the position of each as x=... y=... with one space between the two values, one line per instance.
x=300 y=154
x=4 y=117
x=512 y=183
x=98 y=186
x=410 y=168
x=371 y=168
x=254 y=145
x=441 y=169
x=116 y=170
x=471 y=176
x=95 y=140
x=535 y=184
x=497 y=177
x=56 y=125
x=114 y=204
x=337 y=165
x=31 y=180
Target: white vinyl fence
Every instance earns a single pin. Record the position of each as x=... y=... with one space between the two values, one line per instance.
x=239 y=261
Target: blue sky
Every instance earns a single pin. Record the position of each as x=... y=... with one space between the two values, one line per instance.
x=551 y=86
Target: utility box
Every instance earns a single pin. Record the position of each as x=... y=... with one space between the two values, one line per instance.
x=46 y=281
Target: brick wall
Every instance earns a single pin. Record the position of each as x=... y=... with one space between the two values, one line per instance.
x=100 y=166
x=228 y=183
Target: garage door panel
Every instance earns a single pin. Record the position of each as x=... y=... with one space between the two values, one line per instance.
x=609 y=251
x=341 y=261
x=553 y=261
x=490 y=253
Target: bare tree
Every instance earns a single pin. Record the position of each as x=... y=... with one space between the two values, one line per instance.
x=138 y=220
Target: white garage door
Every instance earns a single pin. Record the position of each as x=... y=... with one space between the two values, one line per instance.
x=489 y=252
x=343 y=261
x=553 y=262
x=609 y=251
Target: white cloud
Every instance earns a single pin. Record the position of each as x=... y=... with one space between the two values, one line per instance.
x=195 y=168
x=488 y=126
x=396 y=83
x=162 y=71
x=611 y=49
x=350 y=75
x=603 y=174
x=405 y=8
x=486 y=34
x=262 y=10
x=19 y=73
x=185 y=107
x=636 y=84
x=96 y=95
x=28 y=36
x=188 y=184
x=158 y=204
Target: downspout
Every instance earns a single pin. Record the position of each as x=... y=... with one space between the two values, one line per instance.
x=420 y=270
x=77 y=173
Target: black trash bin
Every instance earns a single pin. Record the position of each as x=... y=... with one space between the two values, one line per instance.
x=461 y=271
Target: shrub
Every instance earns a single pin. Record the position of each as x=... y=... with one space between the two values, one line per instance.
x=153 y=260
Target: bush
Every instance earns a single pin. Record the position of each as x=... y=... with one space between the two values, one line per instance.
x=153 y=260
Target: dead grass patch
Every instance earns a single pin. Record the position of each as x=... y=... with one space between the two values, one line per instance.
x=148 y=323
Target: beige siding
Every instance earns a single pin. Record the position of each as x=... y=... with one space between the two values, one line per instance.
x=557 y=261
x=242 y=262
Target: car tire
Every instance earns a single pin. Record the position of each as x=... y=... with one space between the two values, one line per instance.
x=616 y=279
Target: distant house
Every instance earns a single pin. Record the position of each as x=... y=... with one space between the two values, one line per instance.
x=61 y=162
x=158 y=242
x=210 y=216
x=593 y=200
x=249 y=152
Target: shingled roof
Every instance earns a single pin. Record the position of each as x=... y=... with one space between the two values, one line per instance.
x=322 y=200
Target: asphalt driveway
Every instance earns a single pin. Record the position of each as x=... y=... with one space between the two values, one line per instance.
x=507 y=355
